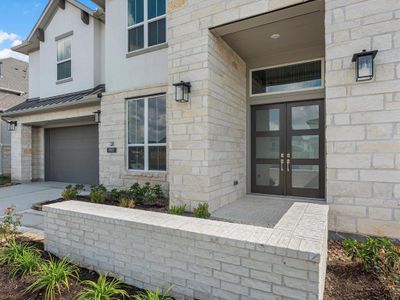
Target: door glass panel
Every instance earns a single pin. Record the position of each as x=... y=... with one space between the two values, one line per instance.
x=267 y=119
x=267 y=147
x=267 y=174
x=305 y=176
x=305 y=117
x=305 y=147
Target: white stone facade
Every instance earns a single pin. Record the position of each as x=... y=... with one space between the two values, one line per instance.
x=201 y=259
x=363 y=119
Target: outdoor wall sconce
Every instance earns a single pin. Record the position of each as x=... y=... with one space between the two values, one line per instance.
x=182 y=91
x=364 y=64
x=97 y=116
x=12 y=125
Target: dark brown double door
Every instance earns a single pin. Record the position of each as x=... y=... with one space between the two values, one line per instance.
x=288 y=149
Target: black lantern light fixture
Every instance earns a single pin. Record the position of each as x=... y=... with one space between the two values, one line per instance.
x=182 y=91
x=97 y=116
x=364 y=64
x=12 y=125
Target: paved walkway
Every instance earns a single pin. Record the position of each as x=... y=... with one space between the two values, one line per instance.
x=23 y=196
x=258 y=210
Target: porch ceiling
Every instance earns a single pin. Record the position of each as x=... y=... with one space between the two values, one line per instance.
x=68 y=122
x=299 y=27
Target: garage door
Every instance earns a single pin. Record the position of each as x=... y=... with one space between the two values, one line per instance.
x=72 y=154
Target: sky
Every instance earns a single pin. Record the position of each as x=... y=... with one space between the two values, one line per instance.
x=17 y=18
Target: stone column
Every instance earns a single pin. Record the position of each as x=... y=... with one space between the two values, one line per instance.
x=21 y=153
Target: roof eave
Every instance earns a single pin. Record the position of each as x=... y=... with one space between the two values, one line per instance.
x=85 y=101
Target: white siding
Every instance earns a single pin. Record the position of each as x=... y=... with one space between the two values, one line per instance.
x=34 y=74
x=129 y=73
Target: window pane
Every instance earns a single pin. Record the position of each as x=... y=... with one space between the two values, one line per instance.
x=267 y=120
x=305 y=176
x=267 y=147
x=136 y=158
x=267 y=174
x=136 y=38
x=64 y=70
x=287 y=78
x=135 y=12
x=63 y=49
x=136 y=122
x=305 y=147
x=156 y=8
x=157 y=158
x=157 y=32
x=157 y=120
x=305 y=117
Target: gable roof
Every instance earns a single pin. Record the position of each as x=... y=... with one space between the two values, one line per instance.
x=69 y=99
x=32 y=42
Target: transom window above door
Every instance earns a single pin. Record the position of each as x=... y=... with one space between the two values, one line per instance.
x=287 y=78
x=147 y=135
x=146 y=23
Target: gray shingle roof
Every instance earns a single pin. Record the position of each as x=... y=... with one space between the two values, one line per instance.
x=76 y=97
x=14 y=74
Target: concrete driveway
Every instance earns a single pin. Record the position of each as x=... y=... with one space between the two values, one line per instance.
x=24 y=195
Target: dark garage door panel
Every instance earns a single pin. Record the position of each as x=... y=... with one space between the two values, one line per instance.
x=72 y=154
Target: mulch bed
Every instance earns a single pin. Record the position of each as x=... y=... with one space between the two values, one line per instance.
x=12 y=288
x=347 y=280
x=157 y=206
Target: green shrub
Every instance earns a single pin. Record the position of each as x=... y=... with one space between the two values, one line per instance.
x=102 y=289
x=201 y=211
x=9 y=224
x=158 y=191
x=9 y=254
x=146 y=194
x=177 y=210
x=27 y=262
x=5 y=180
x=127 y=203
x=153 y=295
x=380 y=257
x=98 y=193
x=71 y=192
x=53 y=277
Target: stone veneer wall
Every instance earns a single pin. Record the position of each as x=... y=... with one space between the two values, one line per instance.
x=363 y=118
x=37 y=153
x=5 y=157
x=112 y=129
x=201 y=259
x=207 y=135
x=21 y=153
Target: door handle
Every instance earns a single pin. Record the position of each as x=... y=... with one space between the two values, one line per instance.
x=288 y=164
x=282 y=165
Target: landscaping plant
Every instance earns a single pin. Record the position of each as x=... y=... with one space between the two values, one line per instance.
x=27 y=262
x=201 y=211
x=5 y=180
x=71 y=192
x=380 y=257
x=9 y=224
x=127 y=203
x=177 y=210
x=153 y=295
x=9 y=253
x=98 y=193
x=53 y=277
x=103 y=289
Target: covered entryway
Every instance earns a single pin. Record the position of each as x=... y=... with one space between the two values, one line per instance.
x=72 y=154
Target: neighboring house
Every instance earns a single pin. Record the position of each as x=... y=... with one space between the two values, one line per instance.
x=13 y=90
x=274 y=108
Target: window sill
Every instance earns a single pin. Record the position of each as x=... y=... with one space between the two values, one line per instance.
x=65 y=80
x=146 y=174
x=146 y=50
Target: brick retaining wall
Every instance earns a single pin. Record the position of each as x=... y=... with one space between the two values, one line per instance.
x=202 y=259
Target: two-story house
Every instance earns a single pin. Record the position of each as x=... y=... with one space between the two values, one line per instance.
x=13 y=90
x=278 y=98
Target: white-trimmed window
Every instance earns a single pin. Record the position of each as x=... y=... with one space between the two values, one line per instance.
x=147 y=134
x=64 y=58
x=146 y=23
x=300 y=76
